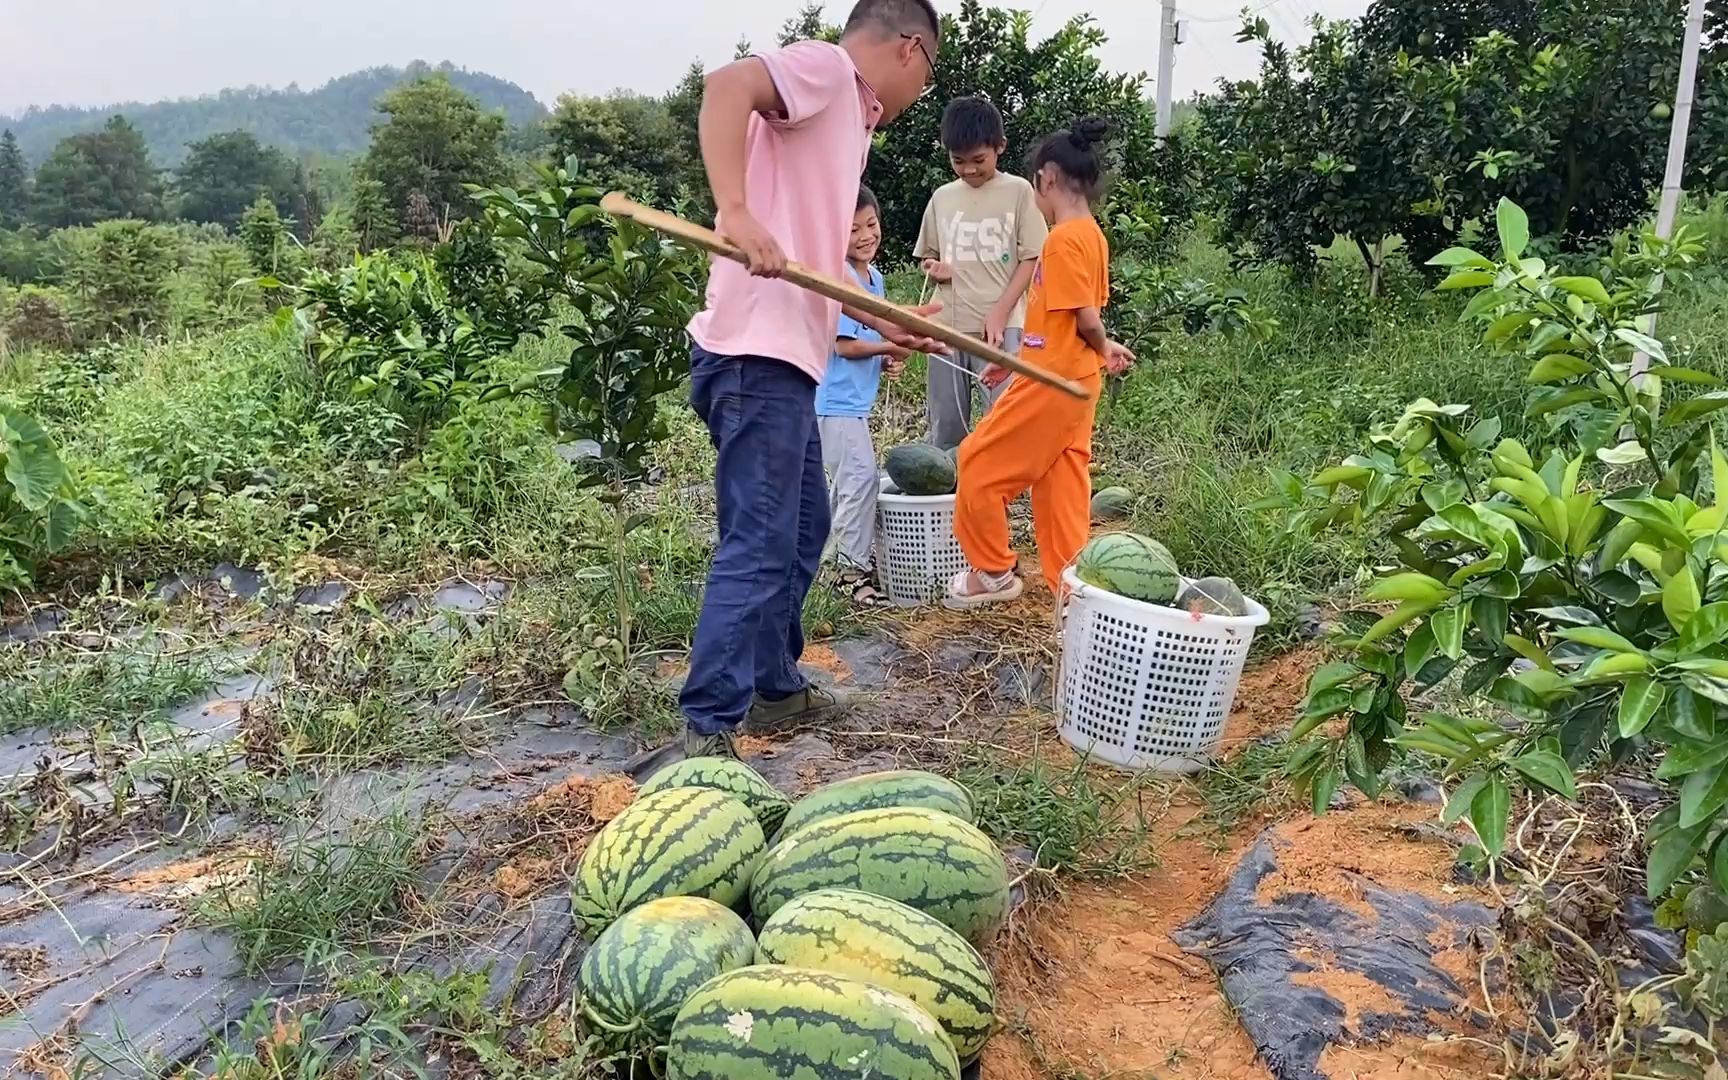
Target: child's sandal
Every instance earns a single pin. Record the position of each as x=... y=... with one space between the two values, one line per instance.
x=862 y=591
x=975 y=589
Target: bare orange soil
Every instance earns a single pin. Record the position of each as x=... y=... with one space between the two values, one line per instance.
x=1093 y=984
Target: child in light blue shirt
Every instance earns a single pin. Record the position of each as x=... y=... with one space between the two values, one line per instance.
x=843 y=404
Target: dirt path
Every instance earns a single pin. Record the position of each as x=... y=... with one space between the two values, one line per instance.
x=1094 y=986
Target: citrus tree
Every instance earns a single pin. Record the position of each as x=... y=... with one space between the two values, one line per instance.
x=1577 y=581
x=1418 y=119
x=627 y=296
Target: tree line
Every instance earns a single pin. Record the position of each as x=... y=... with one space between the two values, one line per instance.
x=1408 y=123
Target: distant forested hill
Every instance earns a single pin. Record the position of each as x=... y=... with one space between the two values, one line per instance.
x=333 y=119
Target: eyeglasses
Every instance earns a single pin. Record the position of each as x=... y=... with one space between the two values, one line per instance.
x=930 y=83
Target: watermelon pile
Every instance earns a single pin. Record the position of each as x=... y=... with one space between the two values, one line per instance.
x=1141 y=568
x=871 y=900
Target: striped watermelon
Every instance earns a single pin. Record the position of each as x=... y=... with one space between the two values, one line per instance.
x=645 y=966
x=677 y=842
x=893 y=946
x=729 y=775
x=785 y=1023
x=924 y=858
x=873 y=791
x=1130 y=565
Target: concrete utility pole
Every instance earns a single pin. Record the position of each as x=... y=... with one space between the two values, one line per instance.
x=1669 y=209
x=1166 y=64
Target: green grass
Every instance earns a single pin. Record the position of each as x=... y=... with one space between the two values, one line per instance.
x=1074 y=823
x=1245 y=785
x=314 y=896
x=135 y=683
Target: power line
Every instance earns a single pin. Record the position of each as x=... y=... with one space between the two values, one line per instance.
x=1226 y=18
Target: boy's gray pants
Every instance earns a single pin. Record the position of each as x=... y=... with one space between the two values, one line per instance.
x=950 y=396
x=853 y=483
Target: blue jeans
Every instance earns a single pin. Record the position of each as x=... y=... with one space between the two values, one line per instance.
x=773 y=508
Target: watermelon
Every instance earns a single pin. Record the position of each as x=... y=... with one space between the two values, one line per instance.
x=1213 y=596
x=1112 y=504
x=787 y=1023
x=924 y=858
x=645 y=966
x=1130 y=565
x=893 y=946
x=678 y=842
x=729 y=775
x=872 y=791
x=920 y=469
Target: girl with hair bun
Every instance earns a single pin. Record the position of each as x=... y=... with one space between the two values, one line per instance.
x=1036 y=437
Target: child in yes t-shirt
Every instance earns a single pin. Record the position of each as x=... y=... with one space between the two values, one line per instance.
x=980 y=242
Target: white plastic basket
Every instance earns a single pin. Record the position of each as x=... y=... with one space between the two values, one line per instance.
x=1148 y=687
x=916 y=553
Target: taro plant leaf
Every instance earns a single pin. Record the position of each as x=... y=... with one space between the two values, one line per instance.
x=1489 y=809
x=1638 y=704
x=1548 y=770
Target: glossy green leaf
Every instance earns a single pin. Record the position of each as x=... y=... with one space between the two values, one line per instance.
x=1513 y=225
x=1449 y=625
x=1461 y=256
x=1589 y=288
x=1690 y=715
x=1638 y=704
x=1707 y=627
x=1680 y=600
x=1630 y=452
x=1703 y=793
x=1549 y=771
x=1686 y=757
x=1488 y=812
x=1466 y=279
x=1409 y=586
x=1687 y=375
x=1458 y=803
x=1644 y=343
x=1407 y=612
x=1558 y=367
x=1671 y=856
x=1598 y=637
x=1695 y=407
x=1325 y=784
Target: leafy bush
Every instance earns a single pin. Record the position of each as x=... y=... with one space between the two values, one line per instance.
x=35 y=317
x=118 y=275
x=630 y=301
x=38 y=514
x=388 y=327
x=1580 y=581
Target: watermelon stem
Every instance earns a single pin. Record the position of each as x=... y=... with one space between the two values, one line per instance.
x=607 y=1026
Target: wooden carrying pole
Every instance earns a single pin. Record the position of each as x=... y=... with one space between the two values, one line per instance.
x=619 y=205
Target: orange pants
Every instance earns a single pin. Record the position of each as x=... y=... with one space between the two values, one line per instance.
x=1033 y=437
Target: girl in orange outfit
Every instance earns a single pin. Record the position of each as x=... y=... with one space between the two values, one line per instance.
x=1036 y=437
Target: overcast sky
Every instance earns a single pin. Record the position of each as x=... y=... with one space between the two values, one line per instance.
x=99 y=52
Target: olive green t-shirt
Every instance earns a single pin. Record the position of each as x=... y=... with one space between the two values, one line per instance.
x=984 y=233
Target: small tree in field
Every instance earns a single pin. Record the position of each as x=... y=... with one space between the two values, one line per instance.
x=629 y=294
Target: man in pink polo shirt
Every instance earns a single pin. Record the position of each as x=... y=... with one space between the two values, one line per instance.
x=785 y=137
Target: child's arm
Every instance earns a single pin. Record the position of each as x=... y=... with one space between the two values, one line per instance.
x=730 y=97
x=996 y=320
x=858 y=349
x=1089 y=321
x=928 y=249
x=891 y=331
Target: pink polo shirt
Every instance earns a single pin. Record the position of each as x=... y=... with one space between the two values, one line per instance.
x=801 y=177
